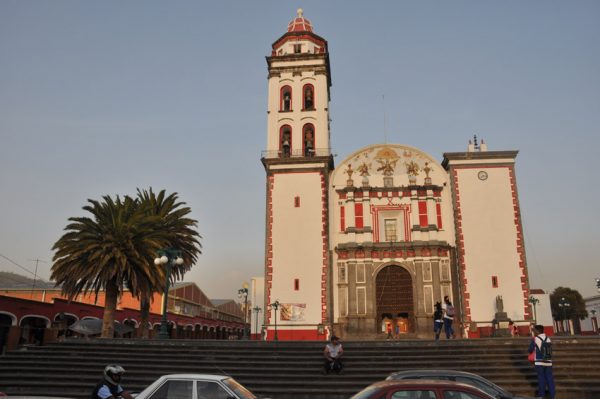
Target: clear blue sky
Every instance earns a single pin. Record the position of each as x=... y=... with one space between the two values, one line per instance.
x=104 y=97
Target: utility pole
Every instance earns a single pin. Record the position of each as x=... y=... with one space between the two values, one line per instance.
x=37 y=261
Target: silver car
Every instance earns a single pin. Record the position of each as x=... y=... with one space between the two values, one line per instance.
x=195 y=386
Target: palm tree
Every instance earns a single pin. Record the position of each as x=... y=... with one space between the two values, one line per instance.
x=181 y=234
x=109 y=251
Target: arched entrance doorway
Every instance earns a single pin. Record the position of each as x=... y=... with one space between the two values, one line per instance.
x=394 y=300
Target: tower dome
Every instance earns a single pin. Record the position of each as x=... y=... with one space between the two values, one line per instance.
x=300 y=24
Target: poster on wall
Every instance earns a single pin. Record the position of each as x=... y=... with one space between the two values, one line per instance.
x=293 y=311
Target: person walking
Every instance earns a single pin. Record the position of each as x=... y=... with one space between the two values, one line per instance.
x=109 y=387
x=438 y=320
x=542 y=346
x=448 y=317
x=333 y=356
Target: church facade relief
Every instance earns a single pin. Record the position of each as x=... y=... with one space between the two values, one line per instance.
x=392 y=244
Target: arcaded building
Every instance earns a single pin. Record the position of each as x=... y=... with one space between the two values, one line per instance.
x=379 y=238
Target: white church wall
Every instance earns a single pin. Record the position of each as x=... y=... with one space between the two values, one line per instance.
x=490 y=242
x=297 y=241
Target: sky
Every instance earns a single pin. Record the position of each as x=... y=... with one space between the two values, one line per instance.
x=102 y=98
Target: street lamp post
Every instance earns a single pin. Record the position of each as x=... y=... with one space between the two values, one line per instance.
x=243 y=292
x=256 y=310
x=534 y=301
x=169 y=257
x=598 y=284
x=275 y=305
x=564 y=305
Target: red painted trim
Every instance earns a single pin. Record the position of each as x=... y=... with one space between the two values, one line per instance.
x=281 y=92
x=358 y=215
x=325 y=241
x=304 y=97
x=438 y=212
x=423 y=220
x=281 y=131
x=460 y=245
x=520 y=244
x=286 y=38
x=284 y=334
x=375 y=216
x=314 y=138
x=269 y=247
x=494 y=281
x=342 y=218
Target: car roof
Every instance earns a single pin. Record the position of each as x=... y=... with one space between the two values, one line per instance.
x=425 y=382
x=211 y=377
x=435 y=372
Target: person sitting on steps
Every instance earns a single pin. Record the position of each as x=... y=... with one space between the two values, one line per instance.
x=333 y=356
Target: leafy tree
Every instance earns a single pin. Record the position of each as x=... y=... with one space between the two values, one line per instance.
x=180 y=233
x=576 y=308
x=113 y=250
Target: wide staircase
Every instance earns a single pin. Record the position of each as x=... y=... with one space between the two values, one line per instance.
x=292 y=370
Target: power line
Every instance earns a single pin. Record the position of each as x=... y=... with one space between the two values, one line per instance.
x=16 y=264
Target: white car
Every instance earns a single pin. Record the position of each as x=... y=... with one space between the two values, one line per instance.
x=195 y=386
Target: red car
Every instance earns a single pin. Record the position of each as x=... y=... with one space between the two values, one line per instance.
x=421 y=389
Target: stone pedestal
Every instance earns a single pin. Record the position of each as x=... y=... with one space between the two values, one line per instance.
x=501 y=327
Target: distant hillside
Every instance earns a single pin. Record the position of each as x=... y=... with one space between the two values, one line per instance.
x=13 y=280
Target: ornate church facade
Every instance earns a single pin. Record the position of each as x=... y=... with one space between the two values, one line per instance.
x=373 y=243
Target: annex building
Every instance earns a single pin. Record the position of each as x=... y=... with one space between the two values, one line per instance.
x=381 y=237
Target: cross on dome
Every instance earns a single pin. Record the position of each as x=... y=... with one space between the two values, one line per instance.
x=300 y=24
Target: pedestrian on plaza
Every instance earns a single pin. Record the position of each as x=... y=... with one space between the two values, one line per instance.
x=388 y=328
x=448 y=317
x=110 y=386
x=333 y=356
x=438 y=320
x=542 y=347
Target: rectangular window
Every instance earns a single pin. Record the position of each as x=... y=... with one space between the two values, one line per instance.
x=427 y=275
x=342 y=272
x=390 y=230
x=297 y=202
x=423 y=222
x=360 y=273
x=445 y=271
x=344 y=301
x=296 y=284
x=361 y=300
x=342 y=218
x=428 y=298
x=494 y=281
x=358 y=215
x=297 y=48
x=438 y=212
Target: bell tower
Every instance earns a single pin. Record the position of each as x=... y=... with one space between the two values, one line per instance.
x=297 y=162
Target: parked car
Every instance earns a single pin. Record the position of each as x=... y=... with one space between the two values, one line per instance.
x=421 y=389
x=453 y=375
x=195 y=386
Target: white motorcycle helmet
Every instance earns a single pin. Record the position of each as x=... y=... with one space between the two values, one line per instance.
x=111 y=371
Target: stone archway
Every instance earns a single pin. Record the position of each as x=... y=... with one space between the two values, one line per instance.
x=394 y=299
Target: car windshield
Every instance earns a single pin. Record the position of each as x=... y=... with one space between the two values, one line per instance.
x=238 y=388
x=365 y=393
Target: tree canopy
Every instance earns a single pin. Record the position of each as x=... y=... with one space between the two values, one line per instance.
x=573 y=304
x=114 y=247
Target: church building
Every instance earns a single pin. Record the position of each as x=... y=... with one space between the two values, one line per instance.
x=370 y=245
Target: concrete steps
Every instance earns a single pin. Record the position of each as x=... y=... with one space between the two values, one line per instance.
x=293 y=369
